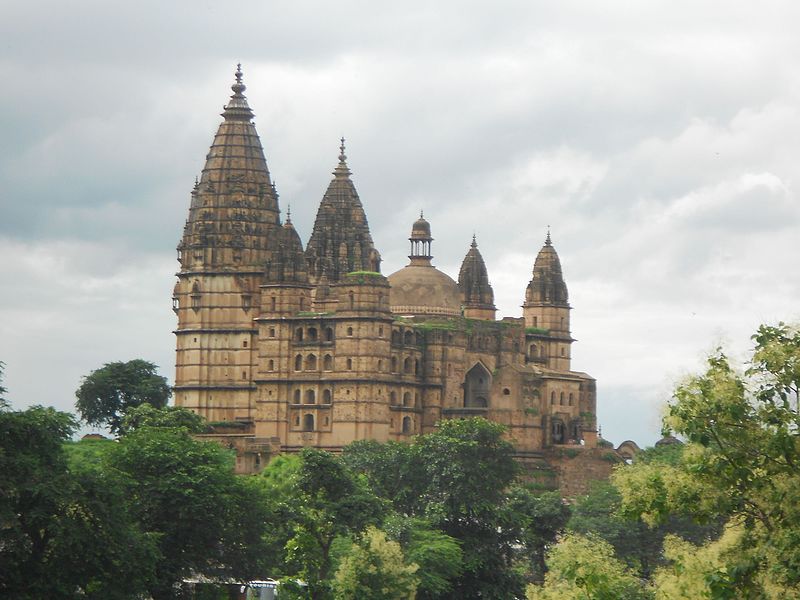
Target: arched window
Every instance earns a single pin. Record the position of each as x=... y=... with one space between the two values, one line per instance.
x=408 y=338
x=394 y=364
x=561 y=399
x=196 y=296
x=571 y=400
x=328 y=334
x=302 y=303
x=407 y=425
x=326 y=396
x=272 y=303
x=297 y=396
x=271 y=332
x=311 y=397
x=327 y=362
x=271 y=365
x=349 y=331
x=393 y=398
x=349 y=364
x=562 y=350
x=557 y=431
x=395 y=338
x=532 y=351
x=407 y=365
x=380 y=331
x=416 y=400
x=380 y=365
x=575 y=431
x=311 y=363
x=298 y=363
x=552 y=397
x=312 y=334
x=298 y=334
x=506 y=392
x=416 y=367
x=476 y=387
x=406 y=399
x=308 y=422
x=352 y=300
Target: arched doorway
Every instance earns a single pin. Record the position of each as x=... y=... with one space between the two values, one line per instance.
x=476 y=387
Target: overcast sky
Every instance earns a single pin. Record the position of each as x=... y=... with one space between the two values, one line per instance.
x=659 y=140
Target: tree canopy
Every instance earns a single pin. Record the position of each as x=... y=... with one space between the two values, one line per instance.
x=106 y=394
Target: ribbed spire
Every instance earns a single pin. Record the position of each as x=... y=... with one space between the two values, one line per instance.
x=473 y=280
x=547 y=284
x=287 y=263
x=340 y=241
x=234 y=215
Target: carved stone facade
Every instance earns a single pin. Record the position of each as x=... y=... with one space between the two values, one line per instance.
x=282 y=347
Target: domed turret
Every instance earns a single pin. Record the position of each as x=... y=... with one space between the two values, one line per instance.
x=546 y=308
x=420 y=289
x=473 y=281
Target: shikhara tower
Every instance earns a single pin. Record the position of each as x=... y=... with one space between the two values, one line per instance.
x=281 y=346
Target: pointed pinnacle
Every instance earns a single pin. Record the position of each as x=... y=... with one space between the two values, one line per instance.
x=547 y=241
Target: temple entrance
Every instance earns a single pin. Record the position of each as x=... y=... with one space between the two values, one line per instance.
x=476 y=387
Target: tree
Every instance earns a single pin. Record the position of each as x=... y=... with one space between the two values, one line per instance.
x=3 y=390
x=106 y=394
x=319 y=500
x=375 y=569
x=147 y=415
x=635 y=543
x=66 y=531
x=585 y=568
x=437 y=555
x=740 y=463
x=456 y=479
x=206 y=519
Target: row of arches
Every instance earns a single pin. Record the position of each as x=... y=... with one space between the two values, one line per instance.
x=410 y=366
x=561 y=433
x=310 y=396
x=563 y=400
x=312 y=334
x=407 y=338
x=405 y=399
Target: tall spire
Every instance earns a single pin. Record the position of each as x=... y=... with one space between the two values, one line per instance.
x=234 y=212
x=340 y=241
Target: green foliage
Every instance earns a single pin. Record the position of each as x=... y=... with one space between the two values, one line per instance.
x=206 y=520
x=317 y=499
x=456 y=479
x=66 y=531
x=740 y=464
x=582 y=567
x=147 y=415
x=3 y=390
x=106 y=394
x=375 y=569
x=437 y=555
x=537 y=330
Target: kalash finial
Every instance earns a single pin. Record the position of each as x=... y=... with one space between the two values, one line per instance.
x=474 y=241
x=342 y=169
x=239 y=86
x=547 y=241
x=288 y=214
x=342 y=155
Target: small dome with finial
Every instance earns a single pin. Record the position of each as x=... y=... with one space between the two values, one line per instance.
x=421 y=229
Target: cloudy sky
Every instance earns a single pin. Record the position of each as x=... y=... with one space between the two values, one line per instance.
x=658 y=139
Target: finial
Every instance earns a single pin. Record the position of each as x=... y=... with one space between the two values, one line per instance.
x=421 y=214
x=342 y=156
x=474 y=241
x=288 y=213
x=239 y=86
x=547 y=241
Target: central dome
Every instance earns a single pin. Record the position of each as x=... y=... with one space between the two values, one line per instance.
x=420 y=289
x=424 y=290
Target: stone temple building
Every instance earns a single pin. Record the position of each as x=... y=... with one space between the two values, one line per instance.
x=282 y=346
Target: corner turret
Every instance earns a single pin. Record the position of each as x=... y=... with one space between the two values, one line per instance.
x=473 y=281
